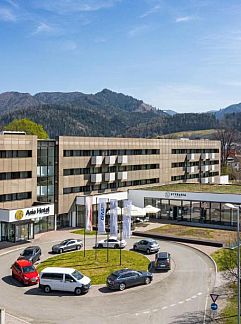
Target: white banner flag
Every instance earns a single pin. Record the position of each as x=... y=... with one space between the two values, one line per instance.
x=126 y=227
x=101 y=215
x=88 y=213
x=113 y=217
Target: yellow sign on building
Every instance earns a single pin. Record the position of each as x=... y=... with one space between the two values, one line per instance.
x=19 y=214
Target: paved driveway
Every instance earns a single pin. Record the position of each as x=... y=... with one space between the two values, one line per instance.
x=179 y=296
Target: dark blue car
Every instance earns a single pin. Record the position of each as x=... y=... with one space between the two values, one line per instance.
x=125 y=278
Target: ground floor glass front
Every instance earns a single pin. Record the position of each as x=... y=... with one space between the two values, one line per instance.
x=193 y=211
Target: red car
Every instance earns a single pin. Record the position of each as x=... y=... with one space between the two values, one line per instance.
x=24 y=271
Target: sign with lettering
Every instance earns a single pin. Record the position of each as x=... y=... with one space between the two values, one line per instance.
x=26 y=213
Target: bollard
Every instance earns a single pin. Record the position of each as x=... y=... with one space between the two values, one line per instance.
x=2 y=315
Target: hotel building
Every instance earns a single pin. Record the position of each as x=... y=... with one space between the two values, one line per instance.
x=43 y=182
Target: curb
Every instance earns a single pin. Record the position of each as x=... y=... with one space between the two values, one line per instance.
x=179 y=239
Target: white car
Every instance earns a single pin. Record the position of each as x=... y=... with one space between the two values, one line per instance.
x=65 y=279
x=112 y=242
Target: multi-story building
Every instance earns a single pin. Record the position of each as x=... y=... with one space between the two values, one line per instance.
x=41 y=179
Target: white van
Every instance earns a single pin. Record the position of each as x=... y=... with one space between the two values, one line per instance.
x=65 y=279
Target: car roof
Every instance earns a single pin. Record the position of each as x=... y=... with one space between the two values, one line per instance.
x=69 y=239
x=58 y=270
x=163 y=255
x=32 y=247
x=23 y=263
x=148 y=240
x=122 y=271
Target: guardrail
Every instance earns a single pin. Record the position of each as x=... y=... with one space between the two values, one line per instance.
x=2 y=315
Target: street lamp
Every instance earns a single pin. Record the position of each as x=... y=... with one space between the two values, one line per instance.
x=238 y=239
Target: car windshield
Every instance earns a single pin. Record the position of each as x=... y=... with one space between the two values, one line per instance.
x=153 y=242
x=64 y=242
x=27 y=252
x=77 y=275
x=28 y=269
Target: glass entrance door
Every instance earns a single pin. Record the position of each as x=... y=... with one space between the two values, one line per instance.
x=22 y=232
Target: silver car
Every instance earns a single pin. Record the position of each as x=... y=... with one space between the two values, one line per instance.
x=146 y=245
x=67 y=245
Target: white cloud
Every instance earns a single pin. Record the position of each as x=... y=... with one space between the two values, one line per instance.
x=7 y=15
x=138 y=30
x=184 y=19
x=44 y=28
x=64 y=6
x=151 y=11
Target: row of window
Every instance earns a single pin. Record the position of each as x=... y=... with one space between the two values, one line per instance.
x=93 y=170
x=104 y=186
x=110 y=152
x=15 y=175
x=16 y=196
x=9 y=154
x=196 y=163
x=189 y=151
x=194 y=176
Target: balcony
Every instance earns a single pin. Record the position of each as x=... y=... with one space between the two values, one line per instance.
x=205 y=168
x=205 y=156
x=192 y=169
x=97 y=160
x=122 y=176
x=193 y=157
x=122 y=159
x=211 y=180
x=110 y=177
x=204 y=180
x=110 y=160
x=212 y=156
x=96 y=178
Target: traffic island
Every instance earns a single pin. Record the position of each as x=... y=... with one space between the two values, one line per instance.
x=97 y=264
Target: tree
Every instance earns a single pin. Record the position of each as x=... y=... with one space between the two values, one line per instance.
x=28 y=126
x=226 y=136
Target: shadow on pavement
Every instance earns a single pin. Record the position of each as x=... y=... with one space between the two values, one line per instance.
x=12 y=282
x=39 y=292
x=105 y=290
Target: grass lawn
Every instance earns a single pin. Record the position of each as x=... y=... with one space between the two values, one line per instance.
x=98 y=269
x=195 y=232
x=81 y=231
x=196 y=187
x=224 y=257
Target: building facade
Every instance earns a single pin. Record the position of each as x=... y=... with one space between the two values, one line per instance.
x=48 y=175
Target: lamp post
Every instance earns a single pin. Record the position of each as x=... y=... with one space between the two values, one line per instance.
x=238 y=241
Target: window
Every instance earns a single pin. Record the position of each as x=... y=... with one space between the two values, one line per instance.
x=52 y=276
x=68 y=278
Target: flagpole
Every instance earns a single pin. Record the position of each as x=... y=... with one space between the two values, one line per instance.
x=121 y=230
x=84 y=225
x=108 y=233
x=96 y=228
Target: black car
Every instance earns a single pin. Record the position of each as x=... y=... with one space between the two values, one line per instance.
x=31 y=253
x=67 y=245
x=163 y=261
x=122 y=279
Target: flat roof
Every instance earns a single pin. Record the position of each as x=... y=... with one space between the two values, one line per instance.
x=196 y=187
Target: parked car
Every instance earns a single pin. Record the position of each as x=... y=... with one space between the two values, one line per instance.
x=67 y=245
x=31 y=253
x=146 y=245
x=64 y=279
x=122 y=279
x=163 y=261
x=24 y=271
x=112 y=242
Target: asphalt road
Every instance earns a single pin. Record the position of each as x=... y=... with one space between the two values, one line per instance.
x=179 y=296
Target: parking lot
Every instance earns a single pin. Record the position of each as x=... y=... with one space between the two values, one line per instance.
x=171 y=295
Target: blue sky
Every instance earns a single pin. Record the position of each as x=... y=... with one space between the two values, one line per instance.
x=173 y=54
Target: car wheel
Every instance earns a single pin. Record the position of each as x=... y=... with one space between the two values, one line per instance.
x=78 y=247
x=116 y=246
x=47 y=289
x=61 y=251
x=134 y=247
x=100 y=246
x=122 y=286
x=78 y=291
x=148 y=251
x=147 y=280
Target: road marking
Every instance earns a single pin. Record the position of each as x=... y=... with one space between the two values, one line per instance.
x=137 y=314
x=195 y=296
x=172 y=305
x=164 y=307
x=181 y=302
x=155 y=310
x=19 y=319
x=146 y=312
x=188 y=299
x=200 y=293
